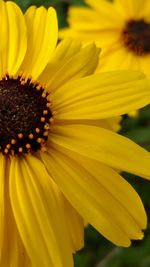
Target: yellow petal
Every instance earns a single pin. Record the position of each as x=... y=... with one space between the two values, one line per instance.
x=104 y=146
x=143 y=64
x=12 y=252
x=115 y=123
x=112 y=124
x=2 y=194
x=75 y=226
x=96 y=200
x=65 y=33
x=102 y=96
x=132 y=8
x=82 y=14
x=64 y=51
x=13 y=38
x=119 y=57
x=42 y=38
x=86 y=19
x=81 y=64
x=36 y=204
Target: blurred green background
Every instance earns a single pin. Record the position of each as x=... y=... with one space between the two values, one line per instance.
x=98 y=252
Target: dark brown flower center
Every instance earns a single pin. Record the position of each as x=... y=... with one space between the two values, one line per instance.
x=136 y=37
x=24 y=116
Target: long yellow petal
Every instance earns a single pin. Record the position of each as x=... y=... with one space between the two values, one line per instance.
x=104 y=146
x=13 y=38
x=42 y=38
x=75 y=226
x=96 y=201
x=64 y=51
x=102 y=95
x=12 y=252
x=81 y=64
x=2 y=194
x=36 y=204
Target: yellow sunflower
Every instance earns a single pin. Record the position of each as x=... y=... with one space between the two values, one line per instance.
x=58 y=153
x=121 y=28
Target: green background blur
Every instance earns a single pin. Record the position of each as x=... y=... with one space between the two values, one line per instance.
x=98 y=252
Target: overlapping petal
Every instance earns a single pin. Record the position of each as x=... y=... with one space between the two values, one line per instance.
x=104 y=146
x=132 y=8
x=13 y=38
x=102 y=96
x=36 y=204
x=42 y=34
x=2 y=194
x=80 y=65
x=64 y=51
x=87 y=188
x=12 y=251
x=75 y=226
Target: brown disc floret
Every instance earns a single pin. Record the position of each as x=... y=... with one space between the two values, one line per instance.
x=24 y=116
x=136 y=37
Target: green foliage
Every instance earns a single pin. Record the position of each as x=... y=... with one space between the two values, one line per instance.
x=138 y=128
x=77 y=2
x=98 y=249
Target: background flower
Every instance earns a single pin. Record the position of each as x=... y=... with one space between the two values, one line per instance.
x=120 y=28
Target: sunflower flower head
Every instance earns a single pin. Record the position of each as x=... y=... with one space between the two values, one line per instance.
x=121 y=28
x=58 y=146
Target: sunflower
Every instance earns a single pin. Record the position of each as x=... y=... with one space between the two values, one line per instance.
x=58 y=148
x=121 y=28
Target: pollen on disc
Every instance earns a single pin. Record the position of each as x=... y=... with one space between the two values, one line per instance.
x=24 y=112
